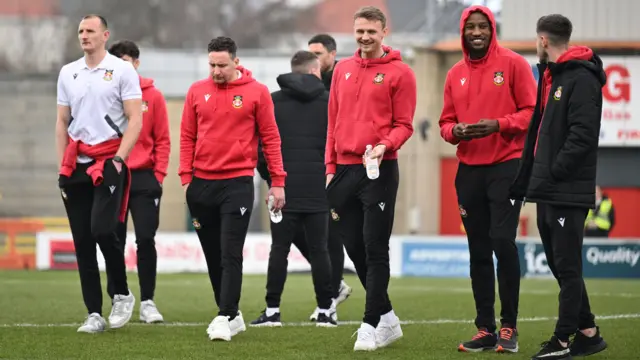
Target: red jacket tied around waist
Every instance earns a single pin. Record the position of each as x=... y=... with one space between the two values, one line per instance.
x=100 y=153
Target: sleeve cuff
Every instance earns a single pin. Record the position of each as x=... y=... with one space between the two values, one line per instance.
x=387 y=145
x=503 y=124
x=160 y=177
x=186 y=178
x=331 y=169
x=277 y=181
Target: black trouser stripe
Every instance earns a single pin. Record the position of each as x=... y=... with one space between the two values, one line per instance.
x=113 y=125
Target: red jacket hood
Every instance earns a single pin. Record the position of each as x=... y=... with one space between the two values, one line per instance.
x=392 y=55
x=576 y=53
x=493 y=45
x=145 y=83
x=247 y=77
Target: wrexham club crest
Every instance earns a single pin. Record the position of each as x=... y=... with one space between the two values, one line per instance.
x=498 y=78
x=379 y=79
x=237 y=101
x=558 y=94
x=108 y=75
x=145 y=106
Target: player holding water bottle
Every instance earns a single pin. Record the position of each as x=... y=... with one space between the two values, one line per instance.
x=371 y=107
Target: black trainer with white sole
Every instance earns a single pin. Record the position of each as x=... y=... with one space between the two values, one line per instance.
x=552 y=350
x=267 y=321
x=325 y=321
x=583 y=345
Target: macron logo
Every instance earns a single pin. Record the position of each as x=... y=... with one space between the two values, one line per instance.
x=462 y=81
x=346 y=76
x=112 y=188
x=561 y=221
x=243 y=210
x=513 y=202
x=381 y=205
x=206 y=98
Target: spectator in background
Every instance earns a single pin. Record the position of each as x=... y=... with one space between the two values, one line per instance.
x=148 y=162
x=489 y=97
x=600 y=221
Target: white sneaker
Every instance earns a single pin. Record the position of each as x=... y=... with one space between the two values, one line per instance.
x=219 y=329
x=366 y=340
x=237 y=324
x=93 y=324
x=316 y=312
x=149 y=312
x=121 y=310
x=343 y=293
x=388 y=332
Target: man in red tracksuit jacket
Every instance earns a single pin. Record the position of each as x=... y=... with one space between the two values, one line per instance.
x=222 y=119
x=148 y=162
x=489 y=97
x=372 y=102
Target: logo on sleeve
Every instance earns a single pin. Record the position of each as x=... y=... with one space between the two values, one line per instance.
x=108 y=75
x=558 y=93
x=237 y=101
x=463 y=212
x=334 y=215
x=379 y=79
x=145 y=106
x=498 y=78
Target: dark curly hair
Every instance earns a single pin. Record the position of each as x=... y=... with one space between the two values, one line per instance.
x=223 y=43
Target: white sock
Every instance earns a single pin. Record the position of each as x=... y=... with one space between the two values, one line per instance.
x=389 y=318
x=367 y=327
x=325 y=311
x=272 y=311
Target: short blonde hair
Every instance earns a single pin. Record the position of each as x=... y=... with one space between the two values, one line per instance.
x=371 y=13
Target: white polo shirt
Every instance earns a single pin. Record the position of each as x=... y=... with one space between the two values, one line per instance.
x=96 y=98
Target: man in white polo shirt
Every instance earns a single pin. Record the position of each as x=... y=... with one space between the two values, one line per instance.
x=98 y=122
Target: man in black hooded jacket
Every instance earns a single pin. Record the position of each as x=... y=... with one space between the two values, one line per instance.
x=558 y=173
x=301 y=112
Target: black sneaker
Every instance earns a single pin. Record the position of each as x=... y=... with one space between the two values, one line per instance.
x=552 y=350
x=583 y=345
x=325 y=321
x=507 y=340
x=483 y=340
x=267 y=321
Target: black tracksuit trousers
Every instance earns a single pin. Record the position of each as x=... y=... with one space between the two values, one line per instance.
x=93 y=213
x=221 y=210
x=315 y=231
x=365 y=213
x=335 y=245
x=144 y=205
x=491 y=220
x=562 y=232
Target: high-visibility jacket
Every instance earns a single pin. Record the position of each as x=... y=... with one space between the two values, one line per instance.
x=602 y=216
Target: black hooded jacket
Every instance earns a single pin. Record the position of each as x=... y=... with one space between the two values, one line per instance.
x=301 y=111
x=563 y=169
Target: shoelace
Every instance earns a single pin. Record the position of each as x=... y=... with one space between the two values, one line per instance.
x=363 y=335
x=506 y=333
x=480 y=335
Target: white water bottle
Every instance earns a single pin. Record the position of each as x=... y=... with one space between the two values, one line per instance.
x=371 y=165
x=276 y=216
